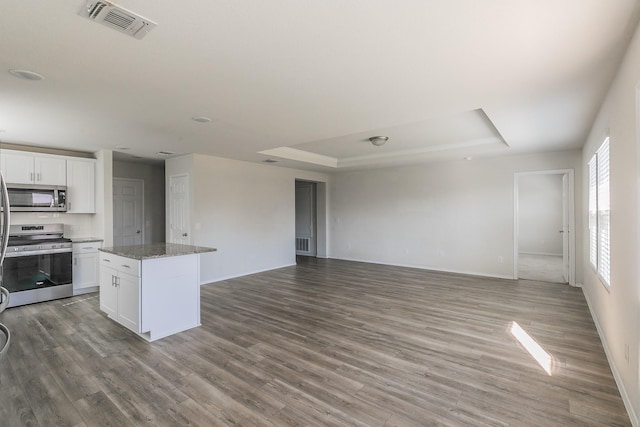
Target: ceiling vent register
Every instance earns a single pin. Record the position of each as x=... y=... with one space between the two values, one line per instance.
x=118 y=18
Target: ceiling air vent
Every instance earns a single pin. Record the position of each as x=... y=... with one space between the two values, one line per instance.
x=118 y=18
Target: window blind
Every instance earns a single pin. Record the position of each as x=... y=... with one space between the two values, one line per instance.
x=593 y=212
x=604 y=212
x=600 y=213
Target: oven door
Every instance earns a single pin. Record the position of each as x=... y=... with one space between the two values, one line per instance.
x=25 y=271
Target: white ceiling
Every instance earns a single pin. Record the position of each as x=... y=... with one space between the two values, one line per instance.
x=443 y=79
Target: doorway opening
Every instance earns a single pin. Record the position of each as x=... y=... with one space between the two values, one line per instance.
x=544 y=243
x=310 y=214
x=306 y=222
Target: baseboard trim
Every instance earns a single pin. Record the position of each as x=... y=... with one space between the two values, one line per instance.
x=540 y=253
x=422 y=267
x=616 y=375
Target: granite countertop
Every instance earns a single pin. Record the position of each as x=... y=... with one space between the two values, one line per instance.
x=156 y=250
x=85 y=239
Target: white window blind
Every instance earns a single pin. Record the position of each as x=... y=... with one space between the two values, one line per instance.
x=600 y=213
x=593 y=212
x=603 y=212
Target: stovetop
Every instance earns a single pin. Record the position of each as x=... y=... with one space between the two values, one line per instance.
x=35 y=237
x=24 y=241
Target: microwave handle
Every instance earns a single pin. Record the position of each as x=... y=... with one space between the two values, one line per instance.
x=61 y=199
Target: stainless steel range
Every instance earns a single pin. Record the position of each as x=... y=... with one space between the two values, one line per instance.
x=37 y=266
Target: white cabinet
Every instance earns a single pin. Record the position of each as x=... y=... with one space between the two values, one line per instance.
x=81 y=186
x=86 y=265
x=29 y=168
x=154 y=297
x=120 y=290
x=108 y=290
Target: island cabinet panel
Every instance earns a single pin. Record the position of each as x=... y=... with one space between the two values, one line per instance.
x=170 y=295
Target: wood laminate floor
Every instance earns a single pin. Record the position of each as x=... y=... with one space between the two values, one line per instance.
x=323 y=343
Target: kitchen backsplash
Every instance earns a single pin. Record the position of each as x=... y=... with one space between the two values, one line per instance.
x=75 y=225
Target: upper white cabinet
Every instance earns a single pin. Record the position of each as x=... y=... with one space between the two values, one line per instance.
x=33 y=168
x=81 y=186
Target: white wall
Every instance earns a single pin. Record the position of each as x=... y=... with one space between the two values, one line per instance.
x=617 y=311
x=154 y=195
x=540 y=214
x=102 y=221
x=455 y=216
x=245 y=210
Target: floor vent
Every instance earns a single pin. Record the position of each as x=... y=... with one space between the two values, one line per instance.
x=302 y=244
x=117 y=18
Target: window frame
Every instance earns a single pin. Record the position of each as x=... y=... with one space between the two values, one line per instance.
x=599 y=212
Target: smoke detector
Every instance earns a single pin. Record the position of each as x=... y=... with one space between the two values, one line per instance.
x=117 y=18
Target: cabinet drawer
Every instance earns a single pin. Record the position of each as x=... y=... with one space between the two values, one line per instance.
x=121 y=264
x=86 y=248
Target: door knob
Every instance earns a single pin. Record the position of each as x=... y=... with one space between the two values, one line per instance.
x=138 y=232
x=561 y=231
x=184 y=234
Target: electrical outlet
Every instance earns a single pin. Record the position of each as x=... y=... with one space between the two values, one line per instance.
x=500 y=259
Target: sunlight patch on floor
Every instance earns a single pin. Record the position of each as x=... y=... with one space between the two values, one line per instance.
x=543 y=358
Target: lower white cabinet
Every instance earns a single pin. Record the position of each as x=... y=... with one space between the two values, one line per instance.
x=120 y=290
x=86 y=265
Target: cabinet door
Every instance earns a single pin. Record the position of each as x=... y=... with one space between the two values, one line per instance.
x=129 y=301
x=50 y=170
x=81 y=186
x=85 y=270
x=108 y=291
x=18 y=168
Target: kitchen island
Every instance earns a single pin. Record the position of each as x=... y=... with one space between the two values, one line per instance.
x=154 y=289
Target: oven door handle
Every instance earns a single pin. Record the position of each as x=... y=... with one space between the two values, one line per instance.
x=41 y=252
x=5 y=347
x=5 y=298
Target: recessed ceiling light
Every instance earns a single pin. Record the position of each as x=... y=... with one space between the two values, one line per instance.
x=26 y=75
x=165 y=153
x=121 y=147
x=270 y=161
x=468 y=158
x=201 y=119
x=379 y=140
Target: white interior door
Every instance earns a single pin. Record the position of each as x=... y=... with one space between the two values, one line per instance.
x=565 y=226
x=128 y=212
x=305 y=218
x=179 y=209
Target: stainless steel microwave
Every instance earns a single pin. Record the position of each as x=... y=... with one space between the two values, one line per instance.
x=37 y=198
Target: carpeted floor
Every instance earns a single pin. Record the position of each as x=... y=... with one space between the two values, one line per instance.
x=545 y=268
